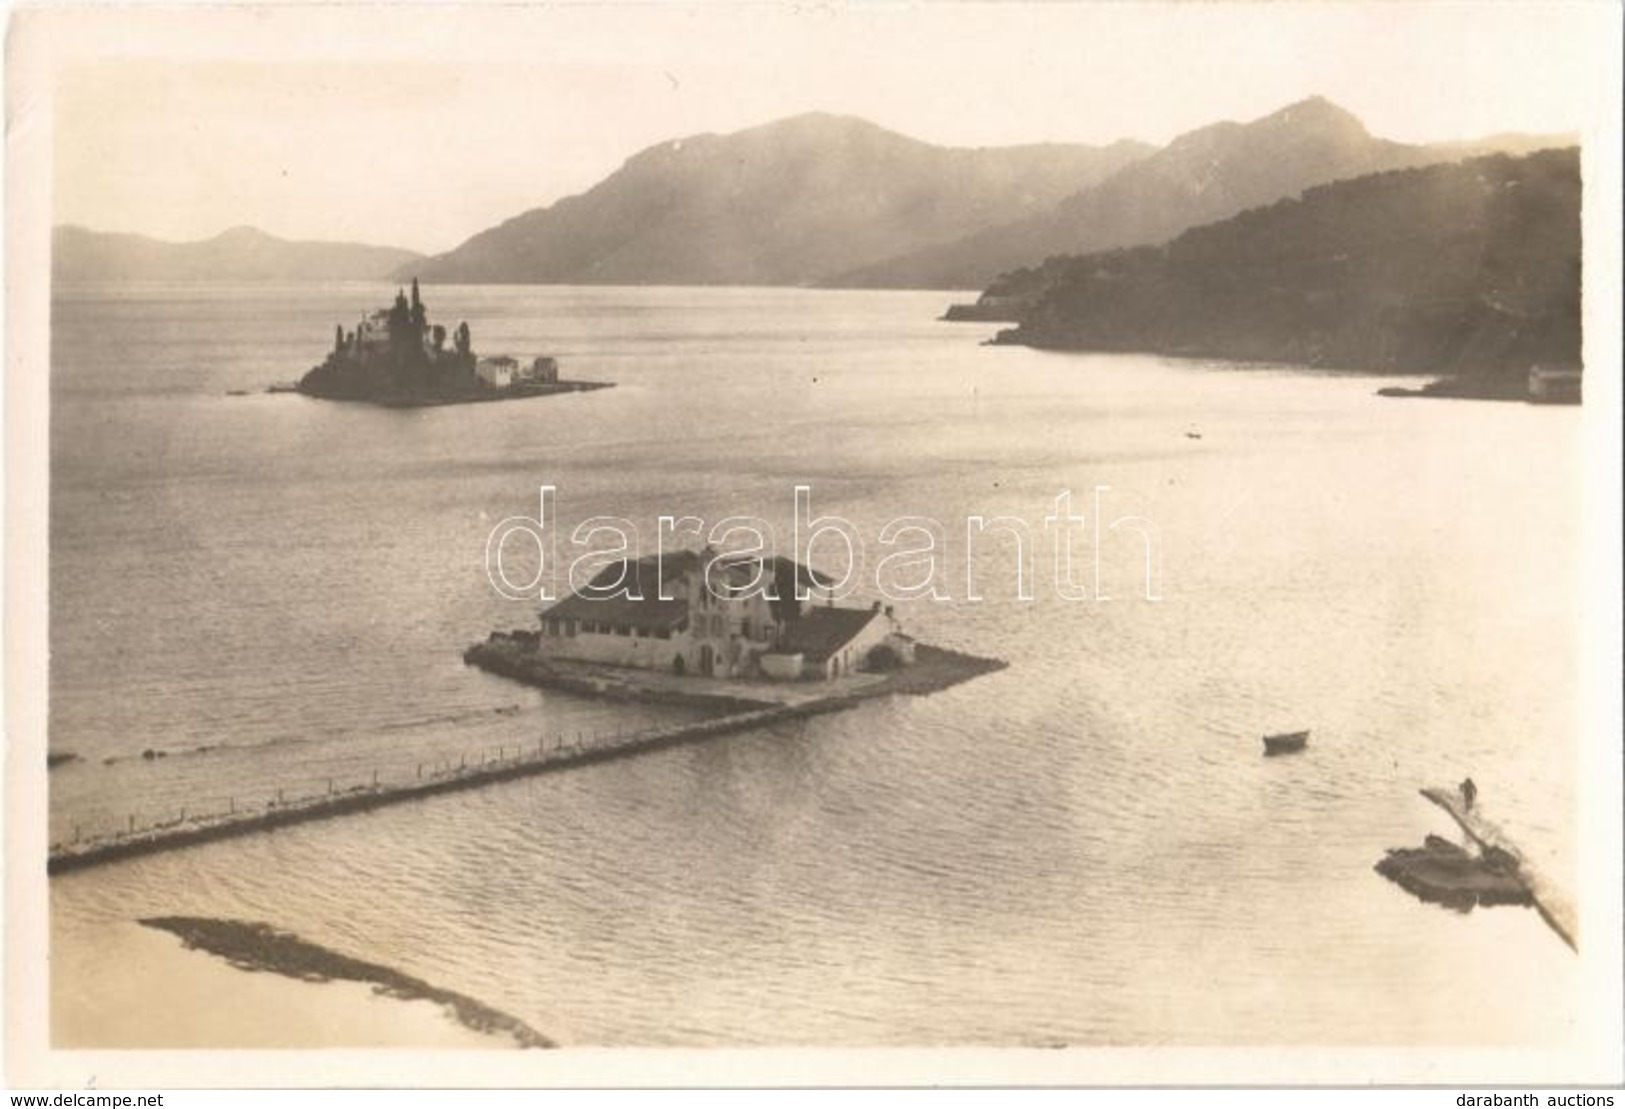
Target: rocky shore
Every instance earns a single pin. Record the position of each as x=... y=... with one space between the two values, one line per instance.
x=1470 y=388
x=1444 y=873
x=980 y=311
x=1469 y=271
x=1491 y=870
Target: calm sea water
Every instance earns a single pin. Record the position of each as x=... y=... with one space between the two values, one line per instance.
x=1086 y=848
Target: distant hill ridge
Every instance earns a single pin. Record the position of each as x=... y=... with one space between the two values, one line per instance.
x=1202 y=176
x=786 y=203
x=820 y=199
x=237 y=254
x=1467 y=269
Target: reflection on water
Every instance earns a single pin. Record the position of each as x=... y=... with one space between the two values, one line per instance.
x=1085 y=848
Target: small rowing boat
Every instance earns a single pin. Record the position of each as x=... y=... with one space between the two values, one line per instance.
x=1286 y=743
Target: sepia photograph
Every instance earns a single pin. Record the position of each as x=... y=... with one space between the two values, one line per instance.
x=867 y=543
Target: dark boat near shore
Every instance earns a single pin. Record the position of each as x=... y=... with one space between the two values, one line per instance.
x=1286 y=743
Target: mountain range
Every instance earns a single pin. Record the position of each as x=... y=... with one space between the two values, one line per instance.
x=787 y=203
x=827 y=200
x=1202 y=176
x=836 y=201
x=1470 y=269
x=240 y=254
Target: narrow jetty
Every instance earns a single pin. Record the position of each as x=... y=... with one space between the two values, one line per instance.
x=942 y=668
x=525 y=762
x=1549 y=900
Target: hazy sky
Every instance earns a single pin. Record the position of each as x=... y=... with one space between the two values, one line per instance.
x=420 y=126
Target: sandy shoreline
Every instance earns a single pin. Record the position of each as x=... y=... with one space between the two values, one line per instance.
x=254 y=947
x=119 y=985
